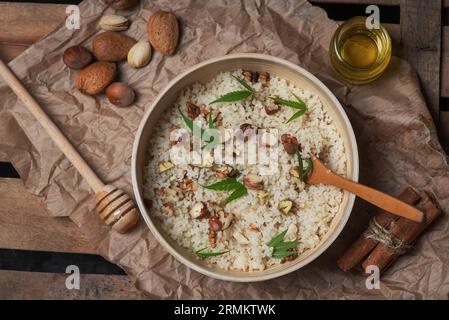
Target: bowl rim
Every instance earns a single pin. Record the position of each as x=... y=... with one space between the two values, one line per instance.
x=197 y=267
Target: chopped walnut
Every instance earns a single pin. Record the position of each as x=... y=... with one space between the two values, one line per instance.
x=245 y=127
x=271 y=108
x=212 y=236
x=264 y=78
x=188 y=185
x=290 y=143
x=193 y=111
x=168 y=208
x=247 y=75
x=253 y=181
x=225 y=172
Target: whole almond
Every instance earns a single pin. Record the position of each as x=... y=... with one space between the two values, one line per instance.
x=112 y=22
x=95 y=78
x=123 y=4
x=163 y=32
x=112 y=46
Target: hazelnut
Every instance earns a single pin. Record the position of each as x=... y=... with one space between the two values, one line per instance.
x=120 y=94
x=253 y=181
x=285 y=206
x=193 y=111
x=290 y=143
x=199 y=210
x=123 y=4
x=77 y=57
x=271 y=108
x=215 y=224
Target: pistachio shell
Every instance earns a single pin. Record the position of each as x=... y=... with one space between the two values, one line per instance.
x=113 y=22
x=140 y=54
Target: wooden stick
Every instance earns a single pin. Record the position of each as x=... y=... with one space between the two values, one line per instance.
x=405 y=230
x=115 y=207
x=53 y=131
x=363 y=246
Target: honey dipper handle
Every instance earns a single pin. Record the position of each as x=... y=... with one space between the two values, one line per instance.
x=376 y=197
x=53 y=131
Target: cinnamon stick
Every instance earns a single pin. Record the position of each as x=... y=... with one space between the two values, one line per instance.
x=363 y=246
x=406 y=230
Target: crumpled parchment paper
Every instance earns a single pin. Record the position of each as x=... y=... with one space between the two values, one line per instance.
x=395 y=134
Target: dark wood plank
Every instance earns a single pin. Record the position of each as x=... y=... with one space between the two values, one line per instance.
x=36 y=285
x=421 y=46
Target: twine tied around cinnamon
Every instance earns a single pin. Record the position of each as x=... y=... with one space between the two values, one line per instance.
x=378 y=233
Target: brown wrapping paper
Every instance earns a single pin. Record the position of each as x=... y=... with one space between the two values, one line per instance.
x=396 y=138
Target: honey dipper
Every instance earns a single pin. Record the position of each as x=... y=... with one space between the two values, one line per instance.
x=113 y=205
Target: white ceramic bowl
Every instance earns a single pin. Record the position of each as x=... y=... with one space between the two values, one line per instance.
x=203 y=72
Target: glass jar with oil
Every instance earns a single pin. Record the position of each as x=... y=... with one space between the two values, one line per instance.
x=360 y=55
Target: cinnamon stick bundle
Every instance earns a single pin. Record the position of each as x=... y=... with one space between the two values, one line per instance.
x=406 y=231
x=363 y=245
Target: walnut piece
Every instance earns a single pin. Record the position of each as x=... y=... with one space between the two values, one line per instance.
x=253 y=181
x=290 y=143
x=193 y=111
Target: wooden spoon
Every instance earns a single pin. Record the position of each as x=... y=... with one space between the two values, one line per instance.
x=114 y=206
x=321 y=174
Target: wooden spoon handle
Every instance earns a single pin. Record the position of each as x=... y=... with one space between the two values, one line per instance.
x=53 y=131
x=376 y=197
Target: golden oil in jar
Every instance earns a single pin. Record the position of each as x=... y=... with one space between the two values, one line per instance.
x=360 y=55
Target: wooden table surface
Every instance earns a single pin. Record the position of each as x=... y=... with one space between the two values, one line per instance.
x=35 y=248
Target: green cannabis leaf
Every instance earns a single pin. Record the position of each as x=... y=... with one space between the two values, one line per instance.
x=237 y=95
x=204 y=254
x=191 y=125
x=281 y=248
x=229 y=184
x=304 y=173
x=224 y=185
x=238 y=193
x=297 y=105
